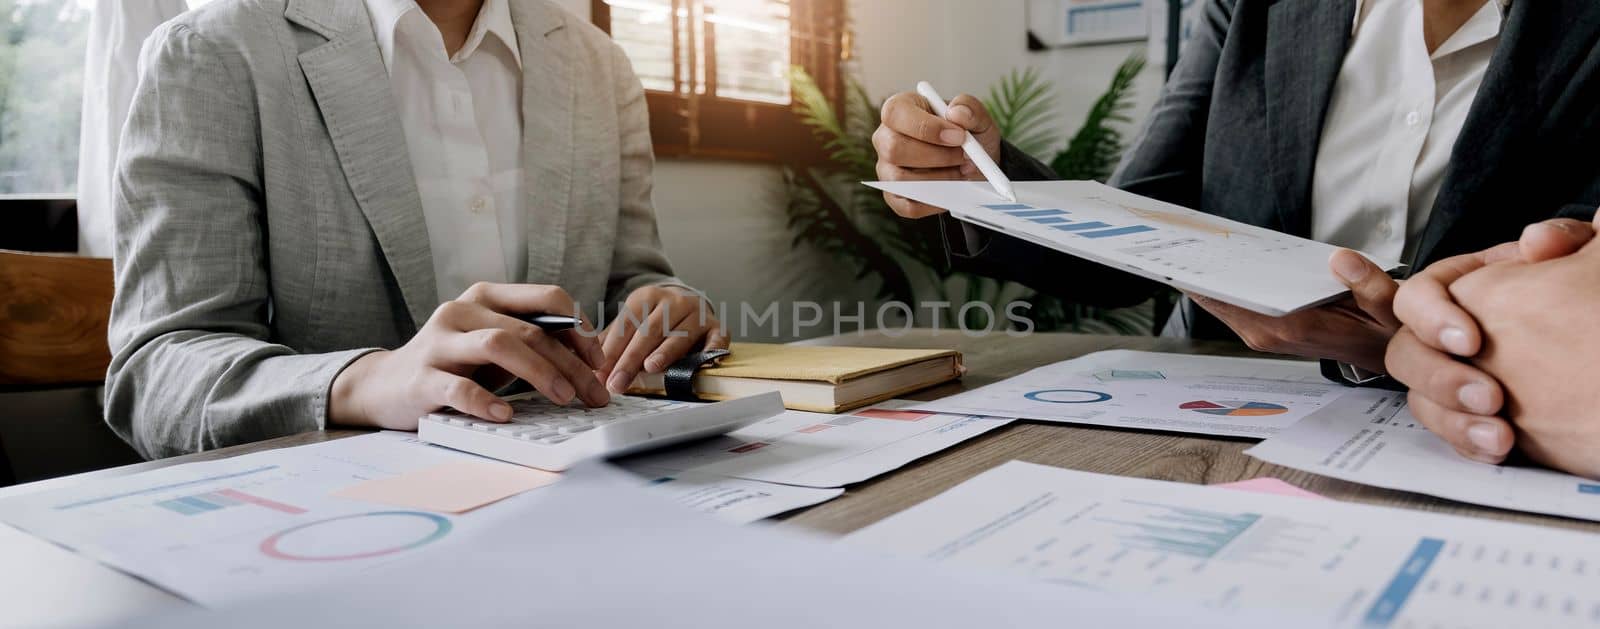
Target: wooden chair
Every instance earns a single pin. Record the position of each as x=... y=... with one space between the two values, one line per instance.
x=54 y=309
x=53 y=314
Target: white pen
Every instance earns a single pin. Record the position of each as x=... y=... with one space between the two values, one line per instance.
x=980 y=157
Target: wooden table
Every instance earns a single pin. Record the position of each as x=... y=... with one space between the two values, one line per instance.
x=1173 y=457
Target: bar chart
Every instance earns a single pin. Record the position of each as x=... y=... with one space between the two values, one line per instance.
x=1057 y=219
x=1175 y=529
x=222 y=499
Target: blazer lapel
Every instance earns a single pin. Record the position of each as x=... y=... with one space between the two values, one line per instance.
x=351 y=86
x=549 y=148
x=1305 y=47
x=1543 y=45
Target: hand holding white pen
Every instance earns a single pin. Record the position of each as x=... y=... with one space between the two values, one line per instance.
x=991 y=171
x=915 y=142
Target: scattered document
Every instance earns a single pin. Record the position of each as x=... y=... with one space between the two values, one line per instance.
x=603 y=553
x=1372 y=438
x=734 y=500
x=1330 y=562
x=456 y=487
x=1251 y=267
x=1209 y=395
x=824 y=451
x=218 y=531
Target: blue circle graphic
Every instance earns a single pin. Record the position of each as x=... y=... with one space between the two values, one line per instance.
x=1050 y=396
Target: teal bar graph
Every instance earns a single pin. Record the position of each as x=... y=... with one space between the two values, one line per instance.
x=1193 y=532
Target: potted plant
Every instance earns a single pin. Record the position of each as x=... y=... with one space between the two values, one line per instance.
x=829 y=208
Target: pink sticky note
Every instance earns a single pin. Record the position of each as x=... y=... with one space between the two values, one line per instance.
x=1267 y=485
x=452 y=487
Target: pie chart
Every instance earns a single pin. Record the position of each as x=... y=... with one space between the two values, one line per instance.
x=1235 y=408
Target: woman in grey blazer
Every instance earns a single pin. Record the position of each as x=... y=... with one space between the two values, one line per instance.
x=274 y=269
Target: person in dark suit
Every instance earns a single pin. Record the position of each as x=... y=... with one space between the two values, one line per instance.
x=1409 y=129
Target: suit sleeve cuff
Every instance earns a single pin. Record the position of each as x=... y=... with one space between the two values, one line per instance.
x=1353 y=376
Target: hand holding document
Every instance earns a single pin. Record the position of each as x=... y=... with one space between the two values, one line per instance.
x=1268 y=272
x=1370 y=437
x=1213 y=395
x=1328 y=562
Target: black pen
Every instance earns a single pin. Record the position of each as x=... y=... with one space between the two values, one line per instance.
x=551 y=323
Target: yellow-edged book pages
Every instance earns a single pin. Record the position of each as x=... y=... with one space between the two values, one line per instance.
x=819 y=379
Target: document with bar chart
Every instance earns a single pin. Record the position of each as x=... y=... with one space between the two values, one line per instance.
x=1251 y=267
x=1331 y=562
x=220 y=531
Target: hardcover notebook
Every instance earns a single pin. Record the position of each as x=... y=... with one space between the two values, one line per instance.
x=818 y=379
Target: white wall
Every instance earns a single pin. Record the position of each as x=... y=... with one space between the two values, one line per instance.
x=724 y=224
x=965 y=46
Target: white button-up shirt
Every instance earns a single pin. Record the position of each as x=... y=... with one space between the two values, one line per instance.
x=1392 y=124
x=463 y=125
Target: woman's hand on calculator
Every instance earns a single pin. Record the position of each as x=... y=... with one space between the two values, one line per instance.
x=657 y=326
x=467 y=346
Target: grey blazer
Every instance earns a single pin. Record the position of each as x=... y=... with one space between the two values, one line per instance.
x=268 y=225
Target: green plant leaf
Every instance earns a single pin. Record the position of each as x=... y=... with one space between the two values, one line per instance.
x=828 y=208
x=1094 y=151
x=1023 y=106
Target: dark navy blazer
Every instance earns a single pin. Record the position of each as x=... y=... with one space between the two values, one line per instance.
x=1236 y=132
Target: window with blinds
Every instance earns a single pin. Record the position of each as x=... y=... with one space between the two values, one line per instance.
x=737 y=49
x=717 y=71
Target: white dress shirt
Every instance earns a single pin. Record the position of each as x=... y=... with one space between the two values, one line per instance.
x=117 y=29
x=1392 y=124
x=463 y=125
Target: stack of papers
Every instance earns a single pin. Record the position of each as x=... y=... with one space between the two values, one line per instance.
x=1324 y=561
x=595 y=551
x=816 y=450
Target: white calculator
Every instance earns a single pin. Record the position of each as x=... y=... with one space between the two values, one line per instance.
x=548 y=436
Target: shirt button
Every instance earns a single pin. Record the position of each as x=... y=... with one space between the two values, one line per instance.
x=1384 y=230
x=479 y=205
x=1413 y=118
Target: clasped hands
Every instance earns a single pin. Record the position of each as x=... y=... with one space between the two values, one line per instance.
x=472 y=346
x=1499 y=348
x=1492 y=344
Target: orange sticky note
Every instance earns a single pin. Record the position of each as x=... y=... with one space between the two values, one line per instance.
x=451 y=488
